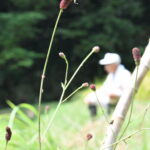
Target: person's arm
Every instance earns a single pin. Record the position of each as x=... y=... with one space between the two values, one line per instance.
x=114 y=96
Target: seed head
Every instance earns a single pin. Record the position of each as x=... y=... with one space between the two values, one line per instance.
x=136 y=55
x=96 y=49
x=86 y=84
x=89 y=136
x=93 y=87
x=65 y=3
x=8 y=134
x=62 y=55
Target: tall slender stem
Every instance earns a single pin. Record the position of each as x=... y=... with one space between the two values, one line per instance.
x=63 y=92
x=75 y=91
x=131 y=110
x=125 y=138
x=43 y=76
x=85 y=59
x=106 y=118
x=54 y=114
x=86 y=145
x=143 y=118
x=66 y=74
x=6 y=145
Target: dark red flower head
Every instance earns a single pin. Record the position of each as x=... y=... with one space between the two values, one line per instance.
x=93 y=87
x=8 y=134
x=65 y=3
x=89 y=136
x=136 y=55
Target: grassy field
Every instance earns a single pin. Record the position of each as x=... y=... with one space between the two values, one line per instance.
x=72 y=123
x=70 y=127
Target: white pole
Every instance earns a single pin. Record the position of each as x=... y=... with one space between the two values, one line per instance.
x=125 y=101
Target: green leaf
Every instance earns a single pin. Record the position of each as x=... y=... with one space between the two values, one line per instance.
x=21 y=114
x=29 y=107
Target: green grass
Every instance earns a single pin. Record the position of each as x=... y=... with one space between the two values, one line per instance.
x=72 y=123
x=70 y=127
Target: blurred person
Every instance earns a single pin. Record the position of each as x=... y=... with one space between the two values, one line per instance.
x=113 y=87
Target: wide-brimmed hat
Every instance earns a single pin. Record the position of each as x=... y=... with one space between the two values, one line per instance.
x=110 y=58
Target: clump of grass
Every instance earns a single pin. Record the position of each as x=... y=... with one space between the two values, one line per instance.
x=73 y=121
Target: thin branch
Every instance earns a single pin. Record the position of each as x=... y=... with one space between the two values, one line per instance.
x=66 y=73
x=131 y=110
x=77 y=70
x=63 y=92
x=106 y=118
x=125 y=138
x=72 y=93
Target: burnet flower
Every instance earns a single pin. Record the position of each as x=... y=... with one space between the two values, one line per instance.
x=64 y=4
x=136 y=55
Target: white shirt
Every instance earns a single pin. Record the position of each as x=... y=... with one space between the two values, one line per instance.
x=115 y=83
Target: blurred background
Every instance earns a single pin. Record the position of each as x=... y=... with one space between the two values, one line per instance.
x=25 y=31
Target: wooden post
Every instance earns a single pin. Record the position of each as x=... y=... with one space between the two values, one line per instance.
x=125 y=101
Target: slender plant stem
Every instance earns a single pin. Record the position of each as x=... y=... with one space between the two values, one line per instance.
x=127 y=137
x=72 y=93
x=66 y=74
x=85 y=59
x=142 y=115
x=106 y=118
x=43 y=76
x=54 y=114
x=60 y=101
x=143 y=118
x=131 y=110
x=86 y=145
x=6 y=145
x=63 y=92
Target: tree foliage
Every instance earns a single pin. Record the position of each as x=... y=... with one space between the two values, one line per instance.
x=115 y=25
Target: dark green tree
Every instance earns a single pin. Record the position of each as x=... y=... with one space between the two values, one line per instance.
x=26 y=26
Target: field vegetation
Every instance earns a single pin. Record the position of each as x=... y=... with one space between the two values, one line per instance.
x=72 y=123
